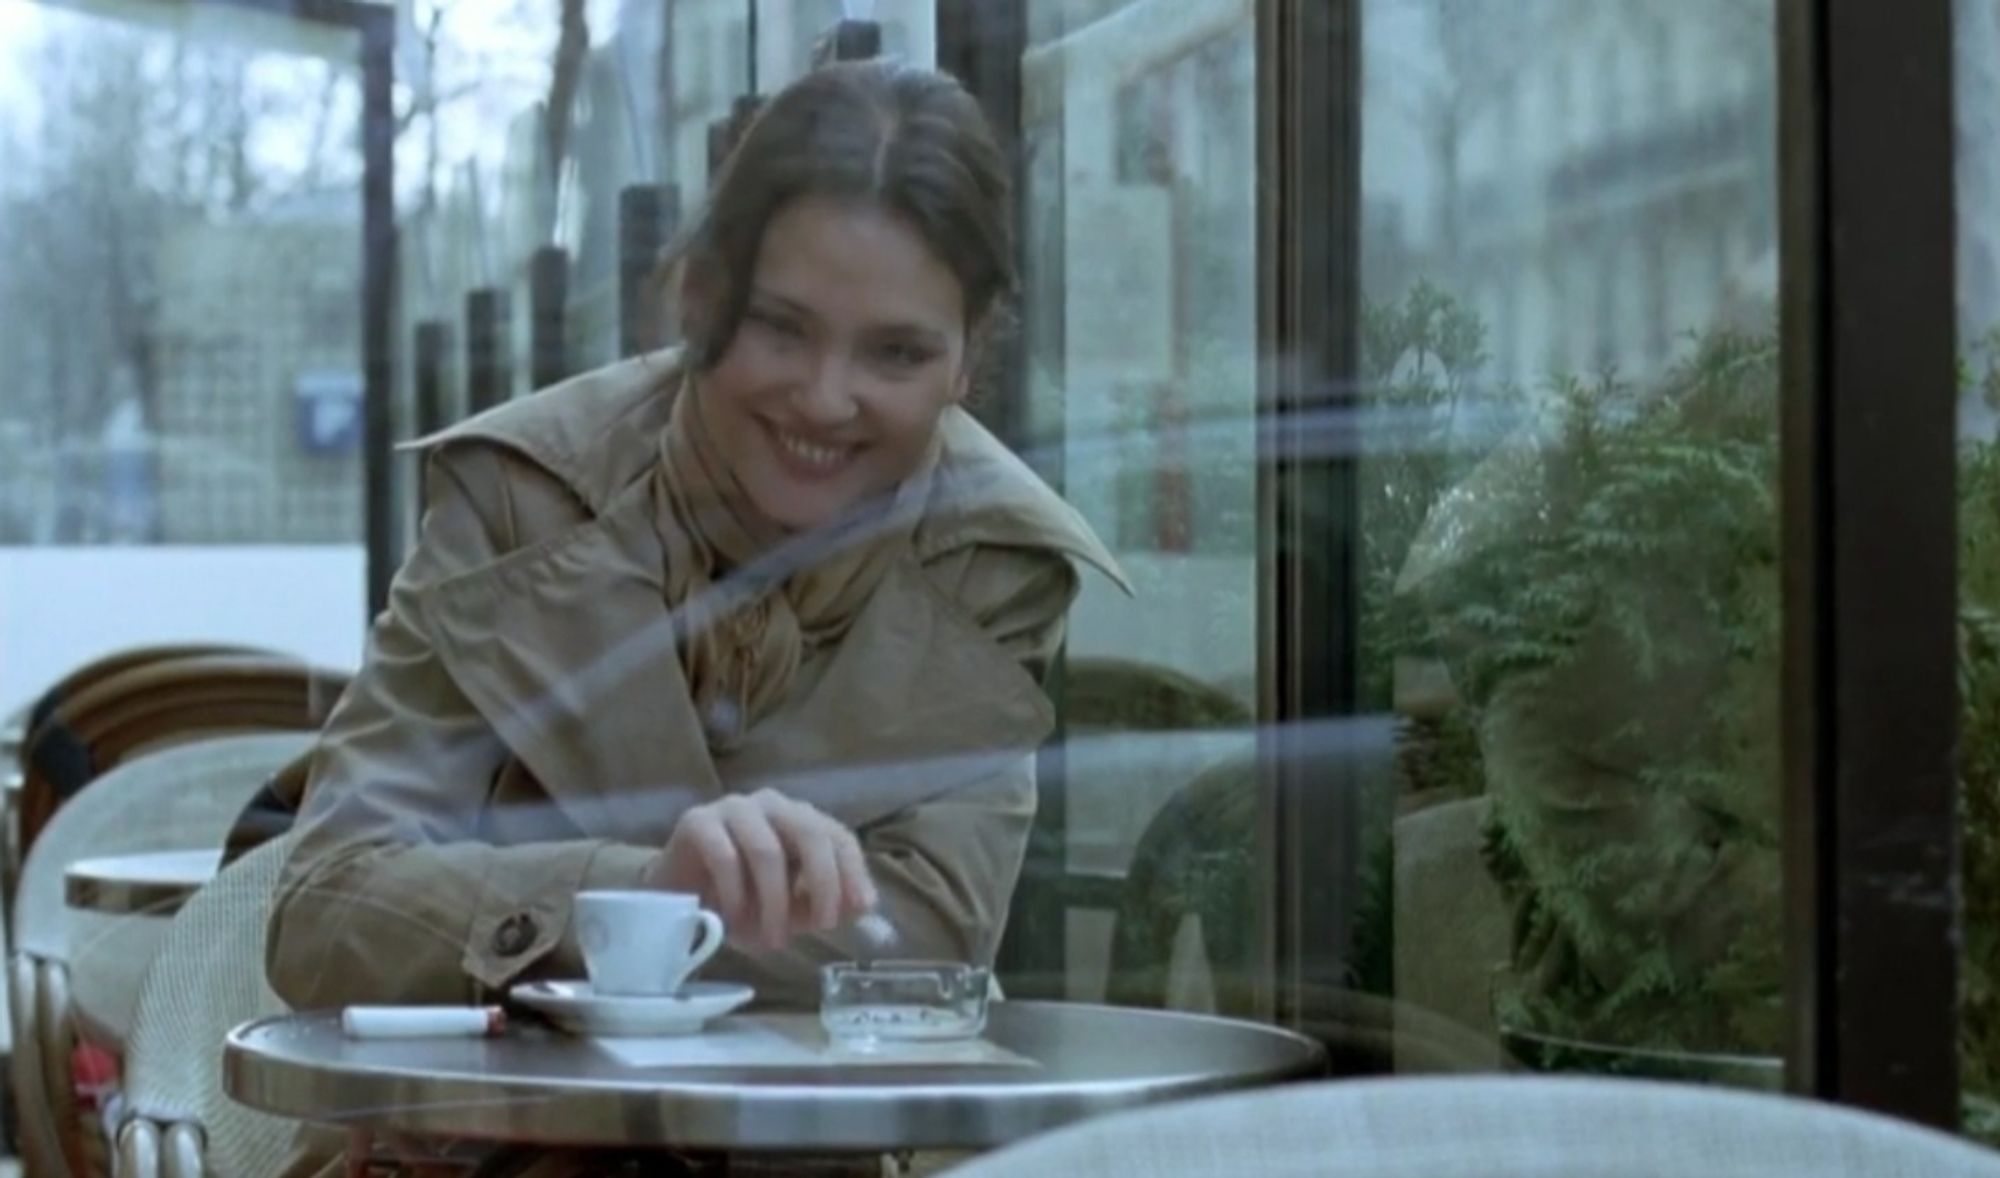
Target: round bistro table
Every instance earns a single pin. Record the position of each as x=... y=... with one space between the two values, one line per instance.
x=536 y=1085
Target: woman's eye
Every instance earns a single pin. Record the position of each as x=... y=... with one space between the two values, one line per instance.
x=783 y=325
x=903 y=355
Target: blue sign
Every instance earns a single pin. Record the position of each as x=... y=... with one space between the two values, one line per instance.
x=329 y=411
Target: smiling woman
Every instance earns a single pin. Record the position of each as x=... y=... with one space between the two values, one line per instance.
x=852 y=345
x=761 y=623
x=854 y=254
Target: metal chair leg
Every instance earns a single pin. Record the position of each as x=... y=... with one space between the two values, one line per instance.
x=183 y=1152
x=57 y=1026
x=41 y=1146
x=138 y=1150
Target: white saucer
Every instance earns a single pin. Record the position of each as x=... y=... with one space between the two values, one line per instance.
x=572 y=1007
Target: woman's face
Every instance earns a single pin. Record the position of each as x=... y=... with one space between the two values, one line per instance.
x=852 y=345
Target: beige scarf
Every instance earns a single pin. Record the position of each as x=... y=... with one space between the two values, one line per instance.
x=751 y=599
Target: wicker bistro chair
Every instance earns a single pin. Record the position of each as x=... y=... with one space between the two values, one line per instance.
x=1493 y=1127
x=24 y=724
x=116 y=663
x=207 y=979
x=21 y=725
x=180 y=798
x=161 y=703
x=1194 y=860
x=1117 y=710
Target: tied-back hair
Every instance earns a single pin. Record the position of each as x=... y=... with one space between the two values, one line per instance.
x=910 y=141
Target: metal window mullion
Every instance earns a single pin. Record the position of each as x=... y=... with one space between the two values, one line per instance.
x=1309 y=159
x=1868 y=408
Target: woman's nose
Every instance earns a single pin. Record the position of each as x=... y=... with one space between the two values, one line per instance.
x=826 y=396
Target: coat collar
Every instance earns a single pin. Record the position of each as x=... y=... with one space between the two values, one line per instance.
x=567 y=650
x=596 y=433
x=984 y=494
x=567 y=647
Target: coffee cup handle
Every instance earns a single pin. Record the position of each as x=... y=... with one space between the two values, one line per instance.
x=707 y=944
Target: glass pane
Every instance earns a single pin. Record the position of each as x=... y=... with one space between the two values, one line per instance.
x=1570 y=535
x=1141 y=338
x=1565 y=766
x=180 y=259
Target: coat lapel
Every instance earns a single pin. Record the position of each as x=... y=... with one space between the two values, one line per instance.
x=985 y=494
x=567 y=650
x=915 y=702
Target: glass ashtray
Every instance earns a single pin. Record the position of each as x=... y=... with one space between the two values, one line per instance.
x=862 y=1005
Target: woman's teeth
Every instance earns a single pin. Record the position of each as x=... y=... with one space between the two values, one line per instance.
x=811 y=453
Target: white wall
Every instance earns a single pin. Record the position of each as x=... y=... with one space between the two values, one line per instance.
x=60 y=607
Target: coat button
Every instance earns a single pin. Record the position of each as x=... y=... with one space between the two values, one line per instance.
x=514 y=935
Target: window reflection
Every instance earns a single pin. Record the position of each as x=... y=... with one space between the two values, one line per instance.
x=1142 y=345
x=1977 y=34
x=169 y=376
x=1574 y=574
x=1567 y=533
x=180 y=261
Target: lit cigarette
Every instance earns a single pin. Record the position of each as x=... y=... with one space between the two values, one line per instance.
x=422 y=1022
x=876 y=929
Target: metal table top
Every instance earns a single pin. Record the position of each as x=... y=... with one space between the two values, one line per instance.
x=534 y=1084
x=153 y=883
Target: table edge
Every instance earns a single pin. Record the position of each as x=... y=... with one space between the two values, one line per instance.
x=528 y=1109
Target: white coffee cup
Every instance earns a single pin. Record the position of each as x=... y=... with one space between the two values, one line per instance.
x=644 y=943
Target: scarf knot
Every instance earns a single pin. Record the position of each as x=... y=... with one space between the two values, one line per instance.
x=749 y=598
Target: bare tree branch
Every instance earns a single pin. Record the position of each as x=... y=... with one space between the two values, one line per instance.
x=565 y=74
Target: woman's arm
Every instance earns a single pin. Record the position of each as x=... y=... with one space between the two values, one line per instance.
x=944 y=870
x=393 y=895
x=390 y=893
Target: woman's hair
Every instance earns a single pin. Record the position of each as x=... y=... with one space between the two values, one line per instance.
x=908 y=140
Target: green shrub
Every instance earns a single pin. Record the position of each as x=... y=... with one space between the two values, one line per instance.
x=1647 y=518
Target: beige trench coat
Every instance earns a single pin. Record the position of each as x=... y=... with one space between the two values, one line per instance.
x=522 y=729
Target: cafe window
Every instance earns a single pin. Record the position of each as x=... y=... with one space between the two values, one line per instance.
x=1585 y=778
x=1141 y=382
x=183 y=218
x=1484 y=402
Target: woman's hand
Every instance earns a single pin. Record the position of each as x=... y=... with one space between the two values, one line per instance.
x=771 y=866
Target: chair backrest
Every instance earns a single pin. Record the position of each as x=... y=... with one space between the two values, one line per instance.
x=157 y=704
x=207 y=979
x=115 y=663
x=1494 y=1127
x=1127 y=695
x=1196 y=857
x=180 y=798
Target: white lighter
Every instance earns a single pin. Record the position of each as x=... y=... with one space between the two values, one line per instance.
x=422 y=1022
